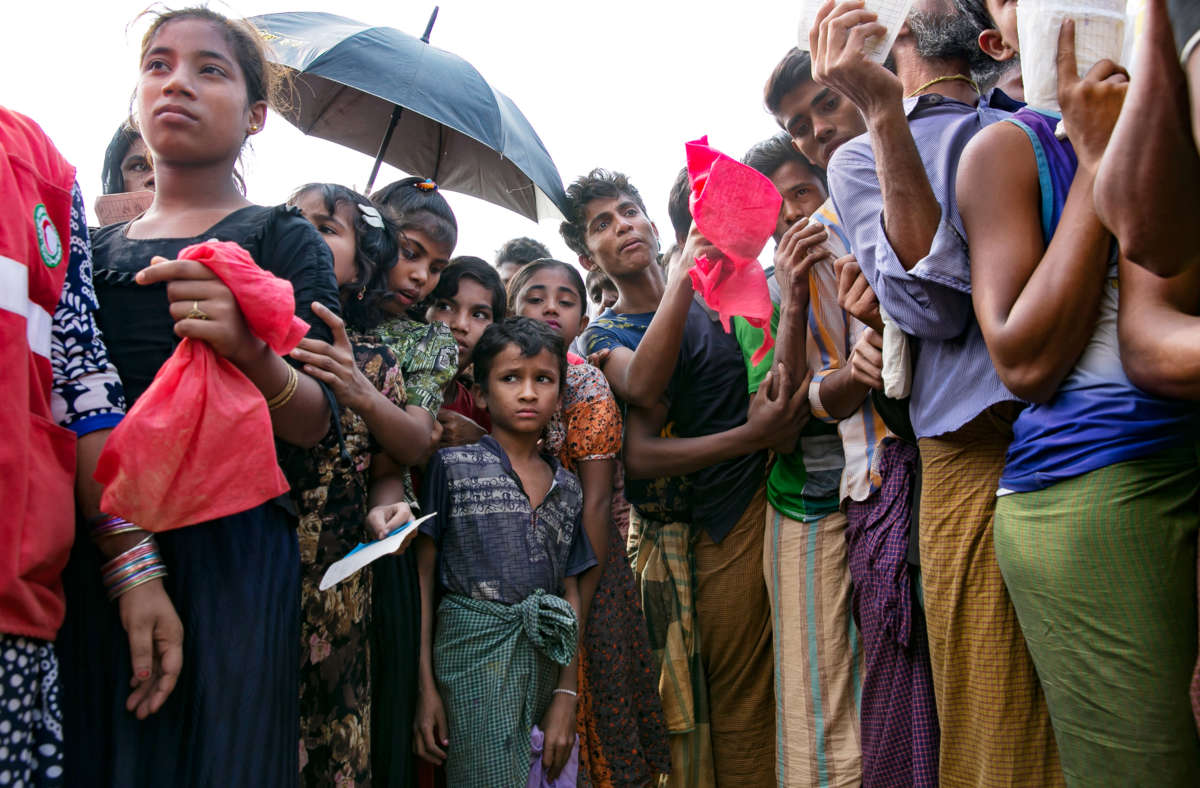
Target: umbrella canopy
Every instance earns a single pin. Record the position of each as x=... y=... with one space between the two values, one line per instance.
x=353 y=81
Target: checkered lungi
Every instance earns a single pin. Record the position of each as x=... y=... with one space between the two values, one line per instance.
x=995 y=726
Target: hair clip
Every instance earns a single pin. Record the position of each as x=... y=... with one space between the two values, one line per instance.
x=426 y=185
x=371 y=215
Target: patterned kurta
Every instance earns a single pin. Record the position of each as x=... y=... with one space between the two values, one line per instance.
x=335 y=696
x=622 y=736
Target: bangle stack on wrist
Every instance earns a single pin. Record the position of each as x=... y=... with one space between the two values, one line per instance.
x=103 y=525
x=289 y=390
x=139 y=564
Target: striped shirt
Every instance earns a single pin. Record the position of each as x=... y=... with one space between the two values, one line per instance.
x=953 y=377
x=832 y=333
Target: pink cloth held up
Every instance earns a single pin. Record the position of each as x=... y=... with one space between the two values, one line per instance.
x=735 y=207
x=198 y=444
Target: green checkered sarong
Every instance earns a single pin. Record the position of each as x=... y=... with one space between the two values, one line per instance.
x=496 y=667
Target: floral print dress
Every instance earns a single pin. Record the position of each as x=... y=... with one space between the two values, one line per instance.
x=622 y=735
x=335 y=666
x=428 y=357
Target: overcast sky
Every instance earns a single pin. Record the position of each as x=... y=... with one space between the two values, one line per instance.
x=615 y=84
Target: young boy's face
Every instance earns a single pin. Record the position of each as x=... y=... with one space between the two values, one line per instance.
x=603 y=294
x=522 y=391
x=802 y=194
x=468 y=312
x=621 y=239
x=819 y=120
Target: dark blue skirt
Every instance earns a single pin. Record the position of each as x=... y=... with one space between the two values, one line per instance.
x=233 y=718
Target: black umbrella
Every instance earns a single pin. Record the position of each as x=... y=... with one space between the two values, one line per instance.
x=356 y=84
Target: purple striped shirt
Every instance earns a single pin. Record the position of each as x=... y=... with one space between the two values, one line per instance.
x=953 y=376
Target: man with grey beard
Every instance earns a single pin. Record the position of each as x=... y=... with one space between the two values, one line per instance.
x=894 y=191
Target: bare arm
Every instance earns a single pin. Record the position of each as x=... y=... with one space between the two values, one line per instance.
x=1036 y=305
x=431 y=736
x=774 y=421
x=596 y=477
x=842 y=395
x=558 y=722
x=1160 y=332
x=1037 y=309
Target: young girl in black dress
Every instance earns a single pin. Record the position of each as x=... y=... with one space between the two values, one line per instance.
x=231 y=720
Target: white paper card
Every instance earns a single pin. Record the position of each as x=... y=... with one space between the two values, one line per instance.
x=364 y=554
x=891 y=13
x=1099 y=34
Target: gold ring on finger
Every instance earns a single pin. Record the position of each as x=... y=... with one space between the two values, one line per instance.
x=197 y=313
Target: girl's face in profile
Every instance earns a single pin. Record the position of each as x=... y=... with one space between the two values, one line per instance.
x=336 y=228
x=417 y=271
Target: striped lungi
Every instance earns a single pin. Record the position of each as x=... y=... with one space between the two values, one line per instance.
x=1102 y=571
x=818 y=659
x=995 y=727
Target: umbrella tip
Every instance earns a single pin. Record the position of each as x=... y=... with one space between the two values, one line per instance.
x=429 y=26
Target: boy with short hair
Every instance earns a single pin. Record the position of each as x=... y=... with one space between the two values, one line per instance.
x=508 y=545
x=698 y=495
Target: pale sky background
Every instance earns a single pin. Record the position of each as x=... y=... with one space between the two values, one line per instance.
x=621 y=85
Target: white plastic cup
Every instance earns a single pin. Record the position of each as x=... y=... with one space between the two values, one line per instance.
x=892 y=14
x=1099 y=34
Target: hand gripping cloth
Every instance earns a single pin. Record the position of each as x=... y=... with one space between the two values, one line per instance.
x=198 y=444
x=735 y=207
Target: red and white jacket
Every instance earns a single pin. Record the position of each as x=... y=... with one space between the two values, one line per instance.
x=37 y=457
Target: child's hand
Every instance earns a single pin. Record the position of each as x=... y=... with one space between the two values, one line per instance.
x=430 y=733
x=457 y=429
x=385 y=518
x=334 y=364
x=558 y=725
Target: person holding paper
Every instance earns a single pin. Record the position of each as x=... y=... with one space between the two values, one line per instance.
x=898 y=718
x=894 y=190
x=1095 y=524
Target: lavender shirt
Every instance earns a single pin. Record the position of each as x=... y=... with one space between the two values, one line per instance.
x=953 y=377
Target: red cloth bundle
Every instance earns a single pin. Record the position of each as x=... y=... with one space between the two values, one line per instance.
x=735 y=207
x=198 y=444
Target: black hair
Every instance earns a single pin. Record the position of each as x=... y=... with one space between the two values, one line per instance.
x=597 y=184
x=417 y=204
x=977 y=12
x=679 y=206
x=375 y=253
x=522 y=277
x=772 y=153
x=521 y=251
x=790 y=73
x=530 y=336
x=111 y=178
x=597 y=277
x=265 y=80
x=476 y=268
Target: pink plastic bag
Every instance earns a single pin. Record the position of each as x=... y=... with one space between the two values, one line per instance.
x=567 y=778
x=735 y=207
x=198 y=444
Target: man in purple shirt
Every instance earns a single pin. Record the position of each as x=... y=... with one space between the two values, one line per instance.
x=894 y=190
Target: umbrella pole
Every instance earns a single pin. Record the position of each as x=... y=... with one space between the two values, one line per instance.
x=397 y=110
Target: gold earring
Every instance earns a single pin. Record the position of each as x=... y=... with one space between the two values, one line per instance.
x=253 y=128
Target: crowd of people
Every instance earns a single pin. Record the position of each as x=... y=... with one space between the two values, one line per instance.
x=943 y=532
